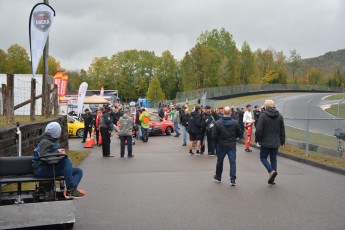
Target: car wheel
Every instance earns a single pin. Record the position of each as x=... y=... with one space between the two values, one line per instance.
x=168 y=131
x=80 y=133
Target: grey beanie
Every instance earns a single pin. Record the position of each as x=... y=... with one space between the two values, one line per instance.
x=54 y=129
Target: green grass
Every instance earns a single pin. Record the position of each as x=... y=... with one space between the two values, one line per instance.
x=314 y=156
x=246 y=99
x=334 y=110
x=75 y=156
x=336 y=96
x=314 y=138
x=22 y=119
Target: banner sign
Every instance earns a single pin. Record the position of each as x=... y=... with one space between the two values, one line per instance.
x=81 y=97
x=57 y=80
x=41 y=19
x=64 y=82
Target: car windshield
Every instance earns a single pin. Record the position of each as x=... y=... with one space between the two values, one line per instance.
x=154 y=118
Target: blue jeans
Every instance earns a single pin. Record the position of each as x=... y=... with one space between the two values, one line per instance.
x=221 y=153
x=144 y=133
x=129 y=144
x=185 y=131
x=138 y=133
x=63 y=168
x=242 y=130
x=272 y=152
x=177 y=129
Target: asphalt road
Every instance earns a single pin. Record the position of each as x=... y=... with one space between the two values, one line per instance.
x=164 y=188
x=294 y=106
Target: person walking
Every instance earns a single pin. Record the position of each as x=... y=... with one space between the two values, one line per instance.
x=184 y=122
x=87 y=124
x=270 y=134
x=106 y=127
x=225 y=131
x=248 y=125
x=194 y=130
x=145 y=119
x=138 y=133
x=125 y=133
x=176 y=121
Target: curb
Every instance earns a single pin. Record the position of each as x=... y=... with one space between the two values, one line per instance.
x=333 y=169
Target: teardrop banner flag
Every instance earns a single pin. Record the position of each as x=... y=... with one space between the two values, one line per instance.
x=57 y=81
x=64 y=82
x=101 y=93
x=81 y=97
x=41 y=19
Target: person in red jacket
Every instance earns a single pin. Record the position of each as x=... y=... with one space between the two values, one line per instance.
x=98 y=122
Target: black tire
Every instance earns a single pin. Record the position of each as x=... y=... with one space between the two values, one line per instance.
x=168 y=131
x=69 y=226
x=80 y=133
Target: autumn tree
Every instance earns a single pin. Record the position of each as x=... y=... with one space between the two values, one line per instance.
x=53 y=66
x=167 y=72
x=295 y=62
x=155 y=92
x=18 y=60
x=3 y=61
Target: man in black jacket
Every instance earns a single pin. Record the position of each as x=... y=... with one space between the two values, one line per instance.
x=184 y=122
x=194 y=130
x=270 y=133
x=88 y=121
x=208 y=122
x=225 y=131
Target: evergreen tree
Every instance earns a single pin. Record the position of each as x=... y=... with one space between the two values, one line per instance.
x=155 y=92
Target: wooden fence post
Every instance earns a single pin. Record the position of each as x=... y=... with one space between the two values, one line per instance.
x=9 y=99
x=33 y=100
x=47 y=100
x=55 y=100
x=4 y=106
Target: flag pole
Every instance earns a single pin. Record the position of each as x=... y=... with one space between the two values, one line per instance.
x=45 y=72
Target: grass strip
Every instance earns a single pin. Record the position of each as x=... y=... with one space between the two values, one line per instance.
x=335 y=97
x=334 y=110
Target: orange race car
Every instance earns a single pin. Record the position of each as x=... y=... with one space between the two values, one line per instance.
x=159 y=126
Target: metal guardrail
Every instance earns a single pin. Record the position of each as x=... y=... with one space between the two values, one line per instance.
x=240 y=89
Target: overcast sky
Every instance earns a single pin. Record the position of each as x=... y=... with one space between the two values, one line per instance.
x=84 y=29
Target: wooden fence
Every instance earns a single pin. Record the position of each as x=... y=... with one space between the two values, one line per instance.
x=51 y=98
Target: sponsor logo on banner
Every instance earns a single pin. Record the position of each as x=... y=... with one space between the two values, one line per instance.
x=42 y=20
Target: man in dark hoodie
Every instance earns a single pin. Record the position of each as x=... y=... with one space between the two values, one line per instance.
x=49 y=144
x=225 y=131
x=270 y=133
x=194 y=130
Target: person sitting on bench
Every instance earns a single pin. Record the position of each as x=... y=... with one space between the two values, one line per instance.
x=49 y=144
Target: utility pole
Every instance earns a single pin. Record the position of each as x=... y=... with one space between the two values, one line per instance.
x=45 y=72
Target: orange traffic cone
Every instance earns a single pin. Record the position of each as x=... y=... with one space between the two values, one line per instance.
x=100 y=138
x=88 y=143
x=92 y=139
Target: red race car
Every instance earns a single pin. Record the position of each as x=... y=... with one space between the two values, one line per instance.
x=158 y=125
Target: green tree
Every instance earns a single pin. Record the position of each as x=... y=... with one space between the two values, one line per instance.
x=295 y=61
x=248 y=69
x=155 y=92
x=53 y=66
x=99 y=74
x=3 y=61
x=167 y=72
x=75 y=79
x=18 y=61
x=222 y=41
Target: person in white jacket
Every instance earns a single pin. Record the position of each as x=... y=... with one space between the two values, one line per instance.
x=248 y=126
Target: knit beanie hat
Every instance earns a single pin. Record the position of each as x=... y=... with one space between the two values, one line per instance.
x=54 y=129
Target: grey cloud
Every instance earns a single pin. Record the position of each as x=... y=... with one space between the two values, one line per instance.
x=84 y=29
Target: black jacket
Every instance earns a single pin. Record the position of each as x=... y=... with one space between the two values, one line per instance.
x=185 y=119
x=270 y=130
x=88 y=120
x=225 y=131
x=195 y=123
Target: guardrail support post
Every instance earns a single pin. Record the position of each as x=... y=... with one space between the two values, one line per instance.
x=307 y=131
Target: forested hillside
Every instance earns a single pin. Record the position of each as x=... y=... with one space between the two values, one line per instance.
x=215 y=60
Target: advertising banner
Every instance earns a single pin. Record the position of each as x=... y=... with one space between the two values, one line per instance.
x=81 y=97
x=41 y=19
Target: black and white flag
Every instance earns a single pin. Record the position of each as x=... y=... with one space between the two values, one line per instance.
x=41 y=19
